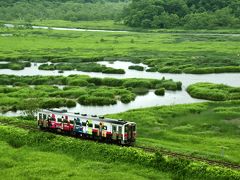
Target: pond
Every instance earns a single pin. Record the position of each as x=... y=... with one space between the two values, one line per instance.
x=148 y=100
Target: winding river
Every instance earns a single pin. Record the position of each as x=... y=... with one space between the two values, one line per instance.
x=148 y=100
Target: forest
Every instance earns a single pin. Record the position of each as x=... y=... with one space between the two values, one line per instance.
x=157 y=14
x=76 y=10
x=190 y=14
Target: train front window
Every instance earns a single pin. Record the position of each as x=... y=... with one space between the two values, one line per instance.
x=40 y=115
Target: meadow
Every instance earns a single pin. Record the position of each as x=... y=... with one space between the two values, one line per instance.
x=208 y=129
x=173 y=53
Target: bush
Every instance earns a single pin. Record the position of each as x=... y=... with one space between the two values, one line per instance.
x=113 y=71
x=160 y=92
x=70 y=103
x=112 y=82
x=136 y=83
x=140 y=90
x=138 y=68
x=77 y=82
x=210 y=91
x=94 y=100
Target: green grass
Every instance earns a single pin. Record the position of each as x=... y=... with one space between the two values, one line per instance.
x=206 y=129
x=31 y=163
x=88 y=152
x=162 y=52
x=216 y=92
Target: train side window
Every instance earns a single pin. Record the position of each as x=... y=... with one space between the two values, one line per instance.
x=78 y=122
x=65 y=121
x=134 y=128
x=90 y=125
x=96 y=126
x=120 y=129
x=44 y=116
x=59 y=120
x=40 y=115
x=114 y=128
x=104 y=127
x=71 y=121
x=83 y=123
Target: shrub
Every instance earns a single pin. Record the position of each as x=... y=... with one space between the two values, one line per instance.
x=112 y=82
x=210 y=91
x=134 y=83
x=160 y=92
x=93 y=100
x=77 y=82
x=140 y=90
x=113 y=71
x=70 y=103
x=138 y=68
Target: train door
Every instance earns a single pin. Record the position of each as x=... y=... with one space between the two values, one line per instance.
x=89 y=126
x=40 y=120
x=120 y=134
x=114 y=132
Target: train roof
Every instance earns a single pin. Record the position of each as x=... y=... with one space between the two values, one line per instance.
x=85 y=116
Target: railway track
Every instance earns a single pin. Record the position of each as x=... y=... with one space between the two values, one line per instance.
x=154 y=150
x=190 y=157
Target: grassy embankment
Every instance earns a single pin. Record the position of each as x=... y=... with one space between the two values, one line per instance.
x=205 y=129
x=215 y=92
x=82 y=89
x=162 y=52
x=30 y=148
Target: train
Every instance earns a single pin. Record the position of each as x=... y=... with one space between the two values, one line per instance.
x=87 y=126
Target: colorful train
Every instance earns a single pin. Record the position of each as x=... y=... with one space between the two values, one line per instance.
x=91 y=127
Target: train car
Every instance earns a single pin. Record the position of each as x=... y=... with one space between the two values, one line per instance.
x=92 y=127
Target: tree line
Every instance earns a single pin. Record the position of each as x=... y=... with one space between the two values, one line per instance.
x=74 y=10
x=190 y=14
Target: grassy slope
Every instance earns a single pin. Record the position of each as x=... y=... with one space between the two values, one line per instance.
x=206 y=129
x=84 y=157
x=176 y=52
x=30 y=163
